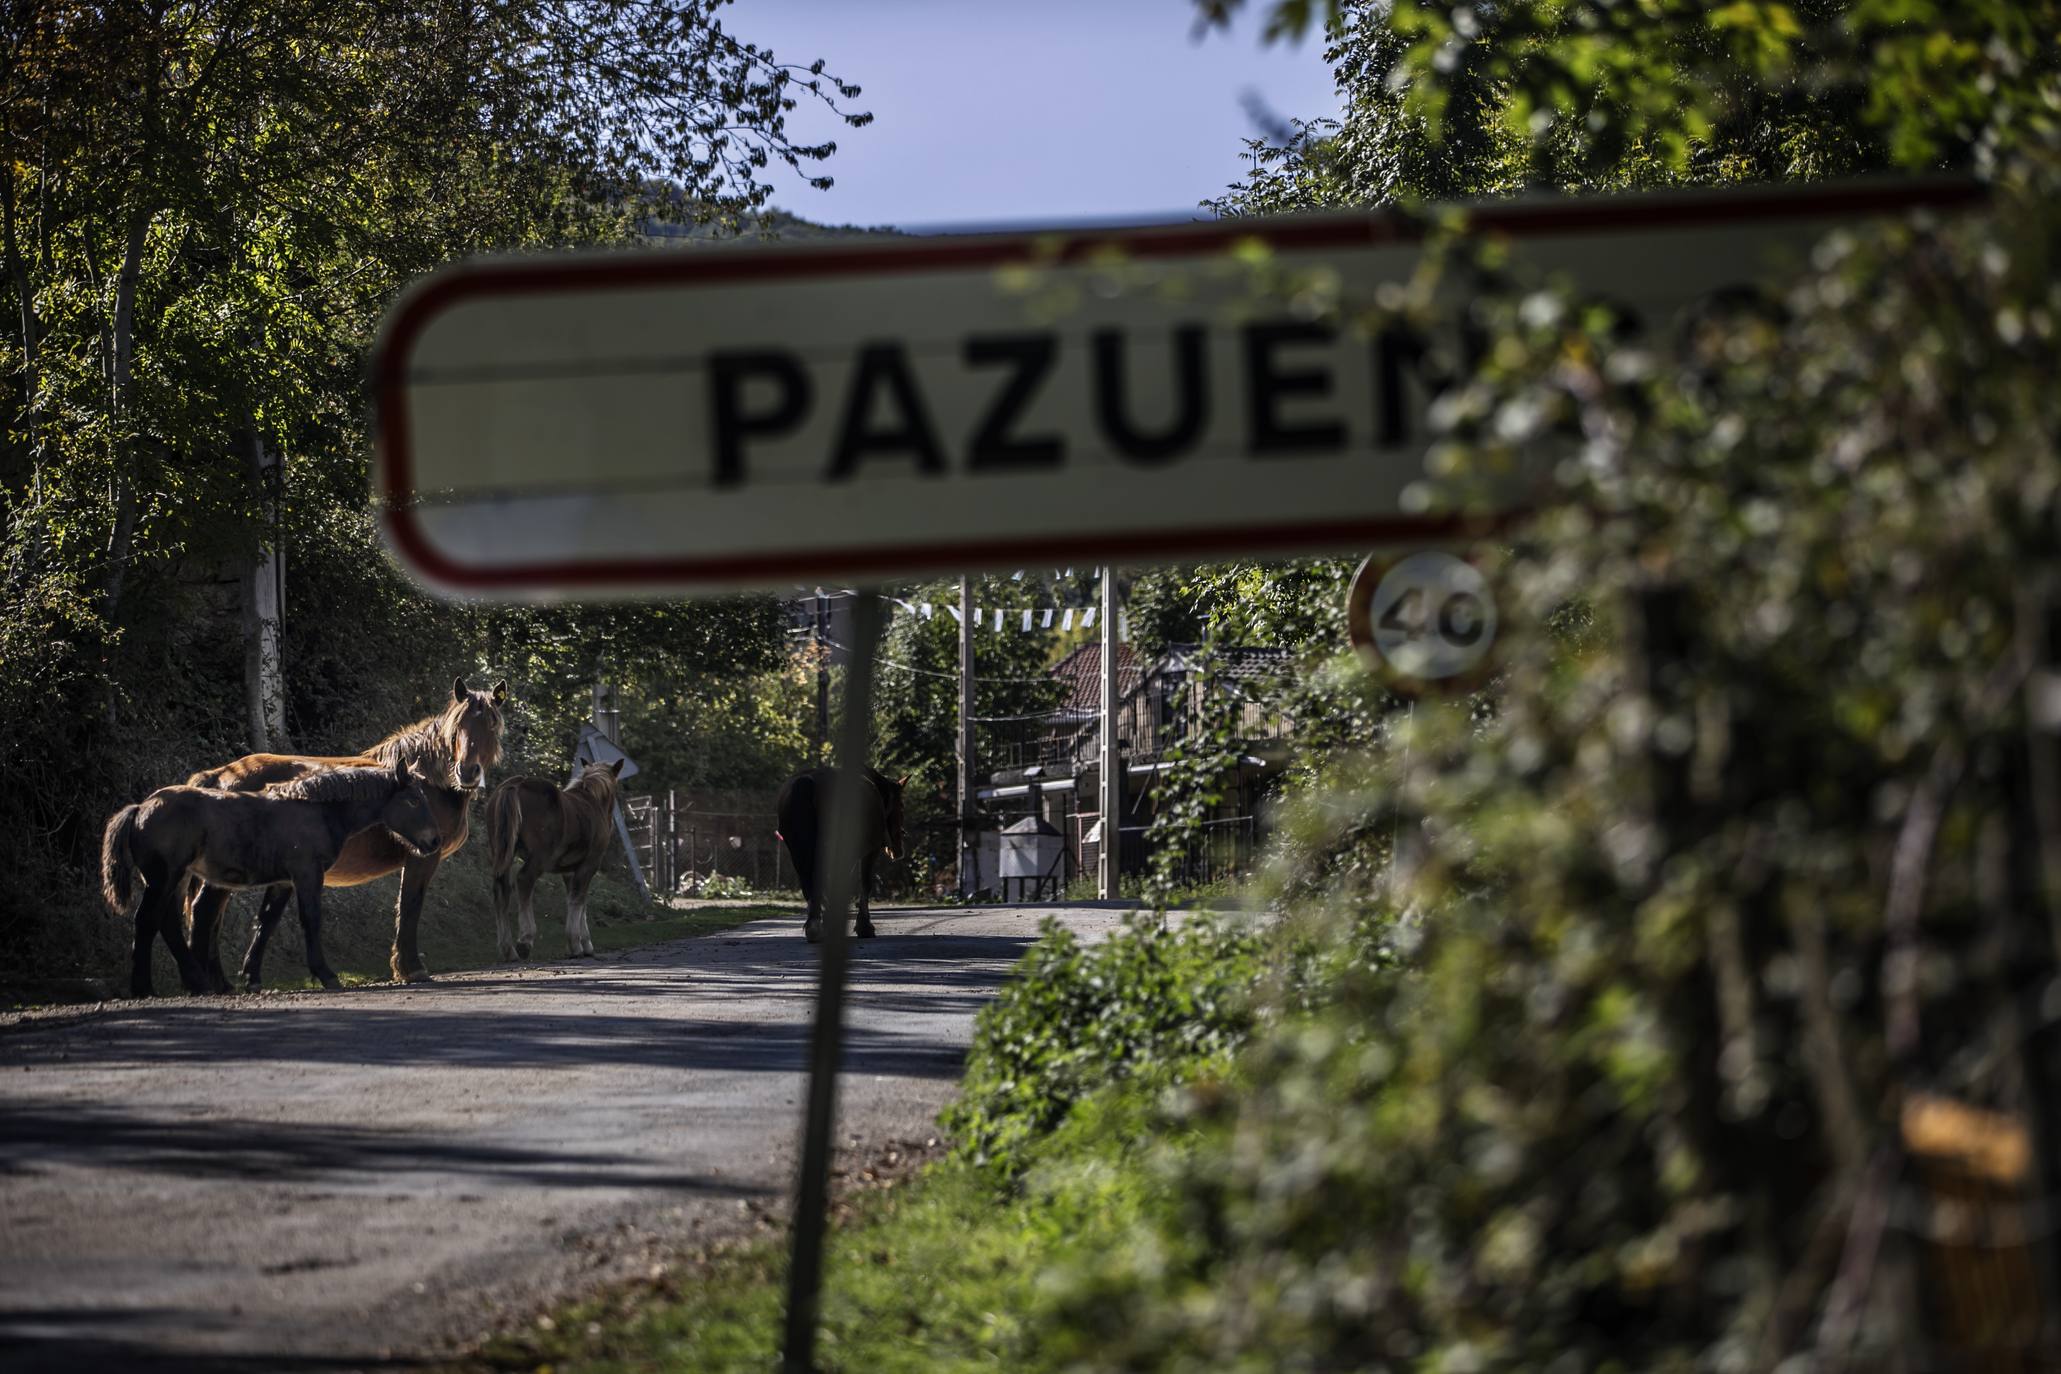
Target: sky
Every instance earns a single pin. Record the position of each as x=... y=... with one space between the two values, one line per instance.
x=1010 y=112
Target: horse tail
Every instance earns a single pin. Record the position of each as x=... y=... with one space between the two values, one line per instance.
x=117 y=867
x=504 y=827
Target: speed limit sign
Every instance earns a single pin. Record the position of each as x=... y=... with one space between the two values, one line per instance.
x=1425 y=620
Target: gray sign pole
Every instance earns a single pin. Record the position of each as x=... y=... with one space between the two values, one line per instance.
x=838 y=862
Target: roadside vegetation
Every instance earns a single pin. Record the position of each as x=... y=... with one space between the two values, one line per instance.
x=1600 y=1001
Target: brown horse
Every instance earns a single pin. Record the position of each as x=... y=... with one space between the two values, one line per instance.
x=555 y=830
x=453 y=749
x=288 y=835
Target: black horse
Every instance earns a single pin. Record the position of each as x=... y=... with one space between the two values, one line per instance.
x=803 y=810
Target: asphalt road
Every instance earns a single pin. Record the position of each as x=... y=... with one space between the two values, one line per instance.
x=344 y=1180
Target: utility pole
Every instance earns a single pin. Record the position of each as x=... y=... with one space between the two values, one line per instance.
x=822 y=678
x=969 y=802
x=1109 y=858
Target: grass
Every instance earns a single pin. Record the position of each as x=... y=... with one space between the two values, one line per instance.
x=457 y=927
x=456 y=933
x=948 y=1273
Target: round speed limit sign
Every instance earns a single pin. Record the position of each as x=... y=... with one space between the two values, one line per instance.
x=1424 y=620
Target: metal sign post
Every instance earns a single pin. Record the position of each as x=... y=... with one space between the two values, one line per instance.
x=839 y=863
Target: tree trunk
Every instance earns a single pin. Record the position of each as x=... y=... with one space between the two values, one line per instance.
x=263 y=598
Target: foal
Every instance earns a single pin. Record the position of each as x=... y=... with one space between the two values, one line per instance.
x=556 y=830
x=290 y=834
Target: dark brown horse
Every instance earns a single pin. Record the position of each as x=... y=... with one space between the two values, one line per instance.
x=555 y=830
x=803 y=811
x=287 y=835
x=452 y=749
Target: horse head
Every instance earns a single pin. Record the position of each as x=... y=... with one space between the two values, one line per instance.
x=472 y=731
x=407 y=814
x=600 y=779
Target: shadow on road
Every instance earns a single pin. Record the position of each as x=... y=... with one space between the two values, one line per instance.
x=69 y=1340
x=91 y=1137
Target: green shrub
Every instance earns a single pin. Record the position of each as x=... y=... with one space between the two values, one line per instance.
x=1146 y=1004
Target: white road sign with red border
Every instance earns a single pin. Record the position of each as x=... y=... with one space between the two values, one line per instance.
x=641 y=422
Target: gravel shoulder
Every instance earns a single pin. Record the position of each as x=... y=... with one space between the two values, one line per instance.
x=381 y=1176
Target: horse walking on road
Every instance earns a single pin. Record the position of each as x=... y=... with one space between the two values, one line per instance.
x=452 y=750
x=803 y=810
x=562 y=830
x=289 y=835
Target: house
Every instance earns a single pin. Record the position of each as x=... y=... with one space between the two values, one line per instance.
x=1052 y=770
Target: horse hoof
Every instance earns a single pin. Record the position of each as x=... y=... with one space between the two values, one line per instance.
x=253 y=985
x=417 y=975
x=865 y=931
x=812 y=935
x=332 y=984
x=522 y=949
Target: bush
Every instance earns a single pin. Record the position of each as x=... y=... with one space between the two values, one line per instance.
x=1146 y=1004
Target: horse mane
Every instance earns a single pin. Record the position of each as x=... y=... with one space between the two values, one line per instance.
x=424 y=746
x=602 y=788
x=337 y=785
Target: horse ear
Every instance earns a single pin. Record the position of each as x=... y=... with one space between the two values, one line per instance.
x=901 y=782
x=401 y=770
x=458 y=692
x=615 y=770
x=501 y=691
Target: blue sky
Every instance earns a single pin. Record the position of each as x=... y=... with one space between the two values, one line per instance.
x=1012 y=111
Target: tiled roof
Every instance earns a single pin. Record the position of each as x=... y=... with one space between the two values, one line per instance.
x=1081 y=672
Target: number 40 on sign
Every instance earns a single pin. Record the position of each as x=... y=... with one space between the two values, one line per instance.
x=1424 y=620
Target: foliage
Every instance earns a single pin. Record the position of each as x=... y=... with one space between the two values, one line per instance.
x=1151 y=1004
x=1452 y=101
x=722 y=887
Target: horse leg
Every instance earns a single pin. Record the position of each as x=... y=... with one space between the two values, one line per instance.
x=579 y=938
x=415 y=876
x=269 y=912
x=504 y=917
x=865 y=927
x=804 y=856
x=164 y=898
x=307 y=893
x=526 y=895
x=208 y=905
x=146 y=934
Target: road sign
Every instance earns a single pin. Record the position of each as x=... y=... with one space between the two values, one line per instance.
x=1425 y=620
x=731 y=417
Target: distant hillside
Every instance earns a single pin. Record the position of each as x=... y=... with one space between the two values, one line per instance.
x=780 y=225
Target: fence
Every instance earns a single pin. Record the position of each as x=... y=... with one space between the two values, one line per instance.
x=684 y=839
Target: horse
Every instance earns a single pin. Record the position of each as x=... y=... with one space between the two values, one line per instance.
x=803 y=799
x=287 y=835
x=555 y=830
x=453 y=749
